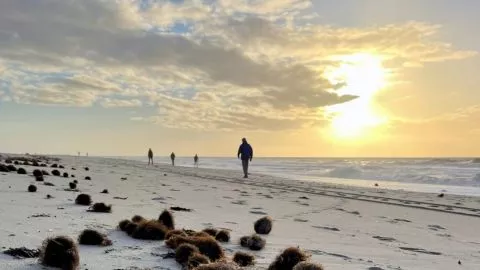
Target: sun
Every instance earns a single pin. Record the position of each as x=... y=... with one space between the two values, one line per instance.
x=363 y=75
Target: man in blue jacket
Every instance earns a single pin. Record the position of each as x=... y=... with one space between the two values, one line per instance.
x=245 y=152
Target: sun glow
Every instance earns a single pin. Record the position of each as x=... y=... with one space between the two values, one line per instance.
x=363 y=76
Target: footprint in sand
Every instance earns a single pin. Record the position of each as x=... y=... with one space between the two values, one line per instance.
x=420 y=250
x=385 y=239
x=257 y=208
x=399 y=220
x=300 y=220
x=436 y=227
x=239 y=202
x=231 y=222
x=301 y=203
x=375 y=268
x=320 y=252
x=333 y=229
x=258 y=213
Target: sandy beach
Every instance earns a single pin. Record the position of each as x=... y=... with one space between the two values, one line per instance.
x=341 y=227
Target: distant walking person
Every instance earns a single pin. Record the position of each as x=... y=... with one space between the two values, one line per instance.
x=150 y=156
x=195 y=160
x=172 y=157
x=245 y=152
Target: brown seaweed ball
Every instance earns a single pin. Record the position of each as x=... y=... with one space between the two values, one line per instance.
x=245 y=241
x=130 y=228
x=39 y=178
x=138 y=219
x=37 y=173
x=61 y=166
x=65 y=175
x=75 y=181
x=60 y=252
x=211 y=231
x=72 y=185
x=308 y=266
x=11 y=168
x=150 y=230
x=54 y=166
x=32 y=188
x=201 y=234
x=256 y=243
x=21 y=171
x=172 y=233
x=93 y=238
x=185 y=251
x=83 y=199
x=4 y=168
x=101 y=208
x=45 y=172
x=105 y=191
x=196 y=260
x=263 y=225
x=166 y=218
x=288 y=259
x=122 y=225
x=56 y=173
x=243 y=259
x=208 y=246
x=223 y=236
x=88 y=178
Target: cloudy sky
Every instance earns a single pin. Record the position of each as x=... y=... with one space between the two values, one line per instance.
x=296 y=77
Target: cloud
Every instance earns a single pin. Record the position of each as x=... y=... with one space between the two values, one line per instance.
x=120 y=103
x=448 y=127
x=227 y=64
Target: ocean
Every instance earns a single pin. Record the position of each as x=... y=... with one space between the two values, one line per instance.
x=449 y=175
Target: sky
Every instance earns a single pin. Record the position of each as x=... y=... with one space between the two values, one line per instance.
x=343 y=78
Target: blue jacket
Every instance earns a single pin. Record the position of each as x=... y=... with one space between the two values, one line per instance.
x=246 y=151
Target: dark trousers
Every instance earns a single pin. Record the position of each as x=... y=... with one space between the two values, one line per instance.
x=245 y=167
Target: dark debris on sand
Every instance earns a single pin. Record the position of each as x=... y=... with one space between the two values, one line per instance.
x=180 y=209
x=22 y=252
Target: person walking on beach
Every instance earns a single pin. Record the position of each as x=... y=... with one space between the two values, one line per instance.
x=150 y=156
x=195 y=160
x=245 y=152
x=172 y=157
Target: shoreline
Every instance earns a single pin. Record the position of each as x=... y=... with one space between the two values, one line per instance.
x=341 y=227
x=262 y=168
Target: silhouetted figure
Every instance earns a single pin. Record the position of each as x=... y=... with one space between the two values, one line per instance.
x=150 y=156
x=172 y=157
x=195 y=160
x=245 y=152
